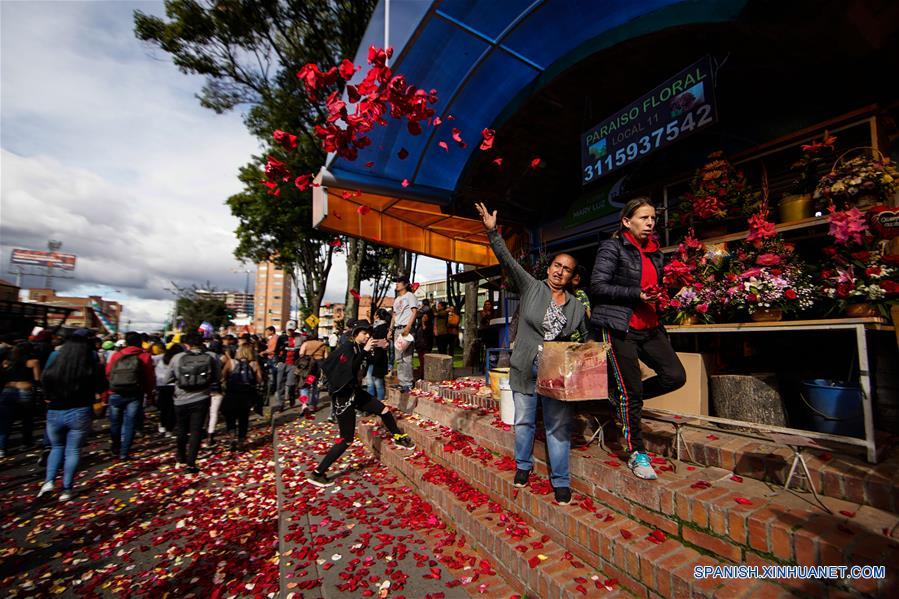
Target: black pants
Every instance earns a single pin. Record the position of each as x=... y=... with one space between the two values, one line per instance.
x=236 y=406
x=190 y=419
x=654 y=349
x=346 y=422
x=445 y=344
x=165 y=403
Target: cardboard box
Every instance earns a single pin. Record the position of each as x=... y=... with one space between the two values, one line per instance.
x=693 y=397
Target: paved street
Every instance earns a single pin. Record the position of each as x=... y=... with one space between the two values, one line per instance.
x=247 y=526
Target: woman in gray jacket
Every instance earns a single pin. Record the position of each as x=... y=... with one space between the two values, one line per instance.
x=547 y=313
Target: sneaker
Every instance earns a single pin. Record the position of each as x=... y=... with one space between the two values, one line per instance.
x=563 y=495
x=521 y=478
x=403 y=441
x=319 y=480
x=66 y=495
x=641 y=466
x=192 y=470
x=47 y=487
x=161 y=430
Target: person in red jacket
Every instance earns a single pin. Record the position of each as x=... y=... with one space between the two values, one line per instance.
x=131 y=377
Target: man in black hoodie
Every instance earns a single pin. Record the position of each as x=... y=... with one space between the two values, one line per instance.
x=344 y=368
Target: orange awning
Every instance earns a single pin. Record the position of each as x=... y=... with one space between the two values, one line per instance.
x=413 y=225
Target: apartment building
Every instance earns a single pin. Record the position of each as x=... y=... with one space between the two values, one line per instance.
x=272 y=297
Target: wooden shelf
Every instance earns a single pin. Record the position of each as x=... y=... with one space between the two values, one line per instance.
x=876 y=323
x=805 y=223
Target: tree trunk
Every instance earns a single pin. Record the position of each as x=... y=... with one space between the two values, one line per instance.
x=470 y=331
x=752 y=398
x=355 y=254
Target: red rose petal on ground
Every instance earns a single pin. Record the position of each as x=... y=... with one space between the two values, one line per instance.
x=626 y=533
x=712 y=437
x=742 y=501
x=613 y=463
x=691 y=468
x=402 y=154
x=363 y=210
x=580 y=588
x=701 y=484
x=608 y=518
x=658 y=534
x=535 y=162
x=845 y=529
x=737 y=479
x=826 y=456
x=534 y=561
x=847 y=513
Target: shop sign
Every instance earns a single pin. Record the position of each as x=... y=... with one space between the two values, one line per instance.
x=600 y=202
x=678 y=107
x=44 y=259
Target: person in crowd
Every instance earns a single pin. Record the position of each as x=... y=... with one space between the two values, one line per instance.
x=578 y=282
x=241 y=375
x=452 y=330
x=229 y=345
x=424 y=333
x=548 y=313
x=195 y=374
x=71 y=383
x=308 y=370
x=391 y=350
x=377 y=367
x=344 y=369
x=19 y=371
x=287 y=354
x=165 y=390
x=270 y=357
x=488 y=335
x=405 y=309
x=441 y=335
x=131 y=377
x=625 y=283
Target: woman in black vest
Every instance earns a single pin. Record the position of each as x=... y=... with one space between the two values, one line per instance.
x=627 y=276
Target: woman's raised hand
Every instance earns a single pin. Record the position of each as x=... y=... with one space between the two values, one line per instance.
x=488 y=218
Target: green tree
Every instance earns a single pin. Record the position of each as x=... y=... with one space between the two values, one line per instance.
x=249 y=52
x=194 y=305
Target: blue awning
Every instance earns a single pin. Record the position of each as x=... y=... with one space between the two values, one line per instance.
x=483 y=56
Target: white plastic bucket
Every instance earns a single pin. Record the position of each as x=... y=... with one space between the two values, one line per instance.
x=506 y=403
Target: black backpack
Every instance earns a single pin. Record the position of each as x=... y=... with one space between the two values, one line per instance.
x=124 y=378
x=303 y=367
x=242 y=374
x=195 y=371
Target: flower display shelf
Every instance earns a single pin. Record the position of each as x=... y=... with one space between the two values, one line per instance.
x=806 y=223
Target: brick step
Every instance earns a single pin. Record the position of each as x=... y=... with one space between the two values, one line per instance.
x=777 y=527
x=834 y=474
x=592 y=535
x=541 y=570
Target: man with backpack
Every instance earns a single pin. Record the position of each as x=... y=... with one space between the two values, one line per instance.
x=195 y=373
x=131 y=376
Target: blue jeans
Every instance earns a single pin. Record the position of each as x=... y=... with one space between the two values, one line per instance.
x=123 y=415
x=310 y=393
x=375 y=384
x=68 y=430
x=16 y=404
x=557 y=420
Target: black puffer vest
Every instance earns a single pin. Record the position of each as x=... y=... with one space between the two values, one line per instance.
x=615 y=282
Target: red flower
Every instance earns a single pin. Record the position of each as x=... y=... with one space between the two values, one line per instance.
x=752 y=297
x=790 y=294
x=843 y=290
x=335 y=243
x=487 y=135
x=286 y=140
x=830 y=251
x=891 y=259
x=768 y=260
x=890 y=287
x=862 y=256
x=346 y=69
x=874 y=271
x=702 y=308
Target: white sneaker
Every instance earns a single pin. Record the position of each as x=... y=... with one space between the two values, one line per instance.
x=161 y=429
x=47 y=487
x=641 y=465
x=65 y=495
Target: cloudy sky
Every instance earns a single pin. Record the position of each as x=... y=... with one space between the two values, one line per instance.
x=105 y=148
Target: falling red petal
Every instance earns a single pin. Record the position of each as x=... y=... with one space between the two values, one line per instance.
x=405 y=183
x=437 y=121
x=402 y=154
x=457 y=135
x=369 y=164
x=498 y=161
x=535 y=162
x=443 y=145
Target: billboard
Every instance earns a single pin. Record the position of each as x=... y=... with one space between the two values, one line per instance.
x=678 y=107
x=43 y=259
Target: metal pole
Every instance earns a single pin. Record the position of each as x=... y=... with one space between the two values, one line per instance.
x=387 y=28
